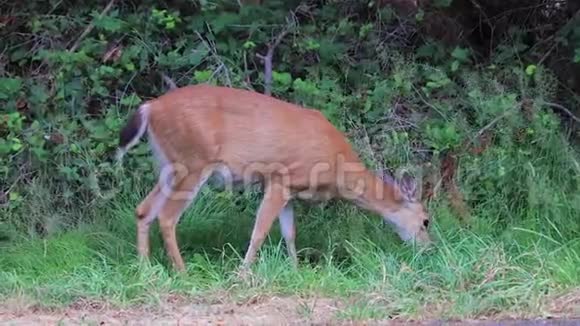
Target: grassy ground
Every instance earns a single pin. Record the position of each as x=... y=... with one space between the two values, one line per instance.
x=525 y=270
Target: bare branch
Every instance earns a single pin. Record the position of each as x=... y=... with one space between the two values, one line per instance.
x=267 y=58
x=247 y=82
x=91 y=26
x=562 y=108
x=168 y=81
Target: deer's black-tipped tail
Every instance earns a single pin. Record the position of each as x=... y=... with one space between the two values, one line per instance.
x=133 y=130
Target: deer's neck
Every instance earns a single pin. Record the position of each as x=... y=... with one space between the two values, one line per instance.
x=374 y=194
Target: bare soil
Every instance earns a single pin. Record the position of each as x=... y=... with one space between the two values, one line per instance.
x=259 y=311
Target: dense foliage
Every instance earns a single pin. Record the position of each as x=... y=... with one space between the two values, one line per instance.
x=479 y=98
x=408 y=94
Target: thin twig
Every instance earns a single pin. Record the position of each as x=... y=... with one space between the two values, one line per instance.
x=427 y=103
x=562 y=108
x=547 y=54
x=91 y=26
x=552 y=38
x=21 y=175
x=489 y=125
x=489 y=23
x=216 y=70
x=213 y=51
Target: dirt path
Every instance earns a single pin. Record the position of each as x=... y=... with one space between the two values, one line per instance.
x=267 y=311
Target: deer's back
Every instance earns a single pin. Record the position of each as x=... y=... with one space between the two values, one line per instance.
x=240 y=128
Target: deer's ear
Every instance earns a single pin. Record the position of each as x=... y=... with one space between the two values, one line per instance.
x=408 y=186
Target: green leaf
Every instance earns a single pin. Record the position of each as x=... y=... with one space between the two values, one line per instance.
x=368 y=105
x=9 y=87
x=455 y=66
x=108 y=23
x=442 y=3
x=475 y=93
x=5 y=147
x=311 y=44
x=74 y=148
x=14 y=121
x=16 y=144
x=282 y=78
x=398 y=79
x=40 y=153
x=202 y=76
x=131 y=100
x=38 y=94
x=17 y=55
x=100 y=133
x=460 y=54
x=330 y=49
x=223 y=20
x=365 y=30
x=420 y=15
x=130 y=66
x=530 y=70
x=14 y=196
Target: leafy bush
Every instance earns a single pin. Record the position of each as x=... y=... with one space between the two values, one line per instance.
x=460 y=92
x=403 y=98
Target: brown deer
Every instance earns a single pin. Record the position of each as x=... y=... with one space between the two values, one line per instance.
x=200 y=131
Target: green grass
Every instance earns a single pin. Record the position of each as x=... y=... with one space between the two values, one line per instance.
x=344 y=253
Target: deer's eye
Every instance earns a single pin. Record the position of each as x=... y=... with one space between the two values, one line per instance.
x=426 y=223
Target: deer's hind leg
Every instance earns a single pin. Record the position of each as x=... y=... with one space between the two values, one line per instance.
x=288 y=228
x=146 y=213
x=179 y=197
